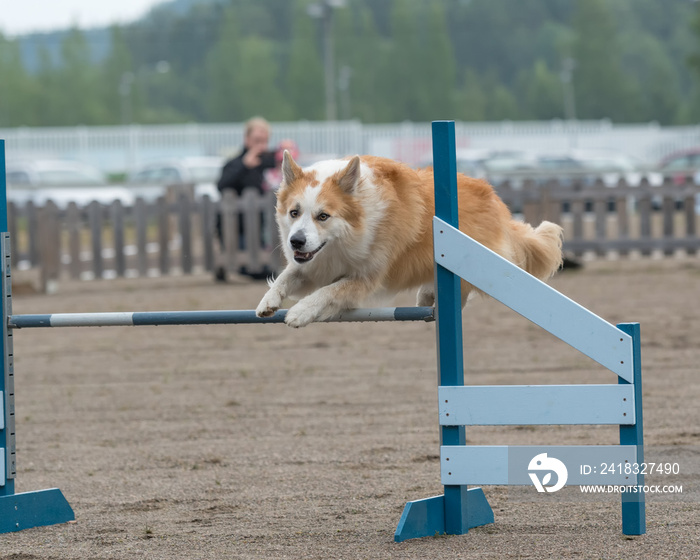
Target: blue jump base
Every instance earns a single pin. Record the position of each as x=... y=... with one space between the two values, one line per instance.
x=34 y=509
x=457 y=257
x=426 y=517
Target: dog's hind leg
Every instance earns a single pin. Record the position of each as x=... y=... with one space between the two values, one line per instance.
x=467 y=289
x=426 y=295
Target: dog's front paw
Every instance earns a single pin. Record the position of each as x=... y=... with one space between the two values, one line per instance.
x=301 y=315
x=269 y=304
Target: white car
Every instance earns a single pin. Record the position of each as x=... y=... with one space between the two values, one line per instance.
x=201 y=171
x=52 y=173
x=186 y=170
x=609 y=166
x=490 y=164
x=82 y=196
x=61 y=181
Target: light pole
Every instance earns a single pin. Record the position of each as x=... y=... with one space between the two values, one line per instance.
x=128 y=80
x=125 y=85
x=344 y=86
x=323 y=10
x=567 y=80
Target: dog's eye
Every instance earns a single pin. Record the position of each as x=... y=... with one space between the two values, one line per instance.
x=322 y=217
x=293 y=213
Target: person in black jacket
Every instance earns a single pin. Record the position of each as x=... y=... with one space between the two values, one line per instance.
x=246 y=170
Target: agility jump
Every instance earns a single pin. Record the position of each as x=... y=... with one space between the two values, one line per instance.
x=456 y=257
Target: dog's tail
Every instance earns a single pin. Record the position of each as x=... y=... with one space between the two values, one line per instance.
x=537 y=250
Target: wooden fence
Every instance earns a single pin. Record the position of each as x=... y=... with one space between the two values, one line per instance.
x=174 y=235
x=178 y=235
x=612 y=221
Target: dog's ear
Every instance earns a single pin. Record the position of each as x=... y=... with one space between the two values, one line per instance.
x=290 y=169
x=350 y=175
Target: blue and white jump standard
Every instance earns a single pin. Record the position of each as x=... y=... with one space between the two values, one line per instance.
x=456 y=256
x=26 y=509
x=48 y=507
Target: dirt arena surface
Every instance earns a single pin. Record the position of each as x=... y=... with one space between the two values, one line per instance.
x=256 y=442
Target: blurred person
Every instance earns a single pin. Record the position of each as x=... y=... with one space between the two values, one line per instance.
x=247 y=169
x=251 y=168
x=273 y=177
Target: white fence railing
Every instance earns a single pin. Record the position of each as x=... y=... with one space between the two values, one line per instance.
x=123 y=148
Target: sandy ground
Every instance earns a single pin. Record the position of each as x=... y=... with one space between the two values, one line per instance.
x=265 y=442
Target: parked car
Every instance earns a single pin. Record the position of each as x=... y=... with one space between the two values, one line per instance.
x=204 y=169
x=82 y=196
x=52 y=173
x=489 y=164
x=61 y=181
x=506 y=162
x=680 y=165
x=202 y=172
x=593 y=164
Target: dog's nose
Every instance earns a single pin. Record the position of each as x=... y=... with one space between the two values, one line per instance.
x=298 y=240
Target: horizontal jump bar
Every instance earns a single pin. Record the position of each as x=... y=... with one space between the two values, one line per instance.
x=511 y=465
x=508 y=405
x=218 y=317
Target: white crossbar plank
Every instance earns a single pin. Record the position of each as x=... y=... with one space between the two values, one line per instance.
x=533 y=299
x=512 y=464
x=116 y=319
x=508 y=405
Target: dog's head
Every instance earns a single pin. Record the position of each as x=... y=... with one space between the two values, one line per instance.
x=316 y=206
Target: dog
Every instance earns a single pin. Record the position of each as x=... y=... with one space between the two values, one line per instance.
x=355 y=231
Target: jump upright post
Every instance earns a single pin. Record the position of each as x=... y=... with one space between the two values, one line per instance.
x=26 y=509
x=48 y=507
x=456 y=257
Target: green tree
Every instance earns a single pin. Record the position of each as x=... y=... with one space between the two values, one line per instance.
x=360 y=54
x=255 y=82
x=603 y=89
x=242 y=76
x=419 y=73
x=655 y=77
x=690 y=110
x=222 y=68
x=304 y=72
x=470 y=100
x=77 y=97
x=397 y=77
x=116 y=81
x=18 y=91
x=437 y=72
x=48 y=105
x=542 y=93
x=396 y=60
x=501 y=104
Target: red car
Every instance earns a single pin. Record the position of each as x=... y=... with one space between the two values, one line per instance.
x=681 y=165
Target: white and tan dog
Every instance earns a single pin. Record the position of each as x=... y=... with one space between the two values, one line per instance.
x=358 y=229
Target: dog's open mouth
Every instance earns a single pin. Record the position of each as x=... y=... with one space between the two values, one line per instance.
x=306 y=257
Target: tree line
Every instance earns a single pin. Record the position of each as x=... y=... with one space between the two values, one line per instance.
x=395 y=60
